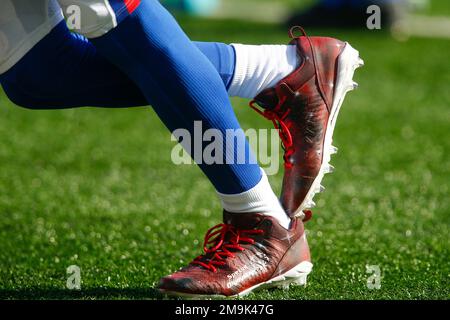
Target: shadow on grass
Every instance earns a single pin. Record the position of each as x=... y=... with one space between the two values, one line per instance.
x=84 y=294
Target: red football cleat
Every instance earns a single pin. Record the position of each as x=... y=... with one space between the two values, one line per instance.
x=246 y=252
x=304 y=107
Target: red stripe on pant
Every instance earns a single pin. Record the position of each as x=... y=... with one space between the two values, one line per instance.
x=132 y=5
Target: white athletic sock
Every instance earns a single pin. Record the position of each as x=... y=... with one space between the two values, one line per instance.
x=261 y=67
x=260 y=199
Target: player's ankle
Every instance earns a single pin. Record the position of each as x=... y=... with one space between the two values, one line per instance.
x=260 y=199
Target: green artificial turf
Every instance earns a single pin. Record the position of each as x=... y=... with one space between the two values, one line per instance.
x=96 y=188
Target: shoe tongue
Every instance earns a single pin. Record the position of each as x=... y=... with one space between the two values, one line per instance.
x=267 y=99
x=245 y=221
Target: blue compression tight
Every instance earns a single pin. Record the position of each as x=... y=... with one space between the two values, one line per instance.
x=68 y=72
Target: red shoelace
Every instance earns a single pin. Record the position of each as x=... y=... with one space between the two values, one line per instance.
x=216 y=242
x=277 y=117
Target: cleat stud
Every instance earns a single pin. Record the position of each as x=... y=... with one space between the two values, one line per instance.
x=311 y=204
x=360 y=63
x=319 y=189
x=333 y=150
x=300 y=281
x=352 y=86
x=329 y=168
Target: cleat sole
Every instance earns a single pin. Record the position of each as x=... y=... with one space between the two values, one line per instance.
x=296 y=276
x=348 y=62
